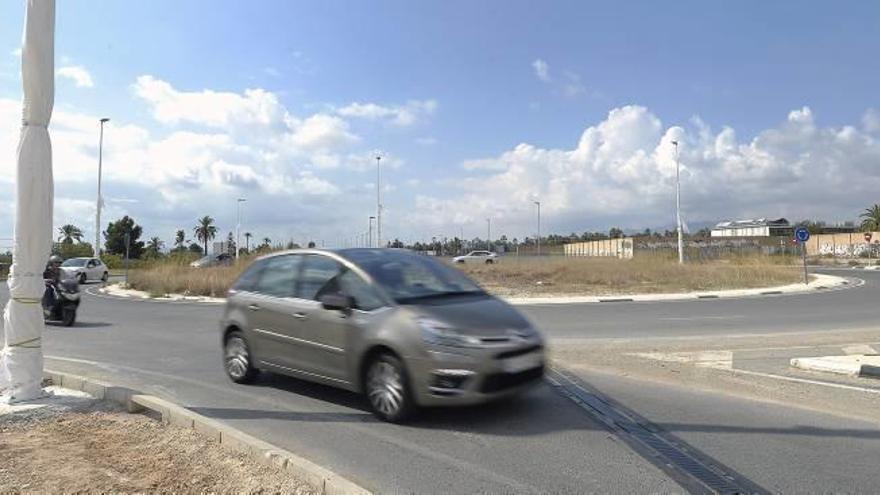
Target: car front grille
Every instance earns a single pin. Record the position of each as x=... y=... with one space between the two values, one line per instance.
x=517 y=352
x=501 y=381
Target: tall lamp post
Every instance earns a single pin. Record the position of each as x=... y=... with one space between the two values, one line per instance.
x=489 y=234
x=238 y=203
x=370 y=239
x=538 y=204
x=96 y=249
x=678 y=205
x=378 y=203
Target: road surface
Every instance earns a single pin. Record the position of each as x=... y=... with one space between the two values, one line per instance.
x=542 y=442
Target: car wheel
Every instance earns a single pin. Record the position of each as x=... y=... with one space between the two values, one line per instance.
x=387 y=388
x=489 y=262
x=82 y=278
x=460 y=262
x=237 y=359
x=105 y=277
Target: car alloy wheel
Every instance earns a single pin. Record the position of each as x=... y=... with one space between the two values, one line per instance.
x=237 y=359
x=105 y=277
x=82 y=278
x=386 y=388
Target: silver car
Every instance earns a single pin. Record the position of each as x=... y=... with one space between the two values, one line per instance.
x=404 y=329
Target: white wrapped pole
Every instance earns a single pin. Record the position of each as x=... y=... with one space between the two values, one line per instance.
x=21 y=364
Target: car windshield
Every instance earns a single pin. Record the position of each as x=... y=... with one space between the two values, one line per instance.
x=75 y=262
x=407 y=277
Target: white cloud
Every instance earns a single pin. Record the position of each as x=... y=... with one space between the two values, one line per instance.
x=272 y=71
x=208 y=107
x=542 y=70
x=621 y=172
x=401 y=115
x=426 y=141
x=78 y=74
x=871 y=121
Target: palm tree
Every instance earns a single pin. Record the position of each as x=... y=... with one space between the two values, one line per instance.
x=155 y=244
x=69 y=233
x=871 y=218
x=267 y=242
x=247 y=241
x=205 y=230
x=179 y=239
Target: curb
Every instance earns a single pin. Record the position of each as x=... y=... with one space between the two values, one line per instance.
x=823 y=282
x=826 y=365
x=133 y=401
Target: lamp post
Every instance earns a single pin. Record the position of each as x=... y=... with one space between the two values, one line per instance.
x=238 y=227
x=678 y=205
x=538 y=204
x=370 y=239
x=489 y=234
x=378 y=204
x=96 y=249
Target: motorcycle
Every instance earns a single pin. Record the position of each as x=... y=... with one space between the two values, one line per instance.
x=64 y=304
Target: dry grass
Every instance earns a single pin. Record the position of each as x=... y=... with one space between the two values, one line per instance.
x=179 y=278
x=607 y=276
x=524 y=277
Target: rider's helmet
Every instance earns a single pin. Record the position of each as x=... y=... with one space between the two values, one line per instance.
x=55 y=260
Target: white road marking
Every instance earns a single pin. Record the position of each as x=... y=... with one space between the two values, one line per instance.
x=808 y=381
x=694 y=318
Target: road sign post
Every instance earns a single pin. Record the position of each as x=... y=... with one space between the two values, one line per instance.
x=802 y=235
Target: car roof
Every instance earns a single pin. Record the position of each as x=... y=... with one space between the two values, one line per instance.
x=340 y=252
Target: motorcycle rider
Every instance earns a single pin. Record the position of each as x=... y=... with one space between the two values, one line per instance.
x=52 y=275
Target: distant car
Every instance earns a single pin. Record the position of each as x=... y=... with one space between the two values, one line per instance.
x=222 y=259
x=403 y=329
x=85 y=269
x=486 y=257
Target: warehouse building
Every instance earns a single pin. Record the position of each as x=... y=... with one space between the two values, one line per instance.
x=759 y=227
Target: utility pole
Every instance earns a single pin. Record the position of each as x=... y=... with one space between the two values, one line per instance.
x=538 y=203
x=489 y=234
x=97 y=249
x=678 y=205
x=238 y=228
x=378 y=203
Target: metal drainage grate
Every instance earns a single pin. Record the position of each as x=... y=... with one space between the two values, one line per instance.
x=696 y=472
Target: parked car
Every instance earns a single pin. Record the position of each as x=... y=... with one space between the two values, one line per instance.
x=85 y=269
x=222 y=259
x=405 y=330
x=486 y=257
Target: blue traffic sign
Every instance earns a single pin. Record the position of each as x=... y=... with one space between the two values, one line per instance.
x=802 y=234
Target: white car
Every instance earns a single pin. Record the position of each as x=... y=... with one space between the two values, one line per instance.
x=85 y=269
x=486 y=257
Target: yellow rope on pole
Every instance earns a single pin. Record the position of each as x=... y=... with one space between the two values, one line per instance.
x=24 y=344
x=27 y=300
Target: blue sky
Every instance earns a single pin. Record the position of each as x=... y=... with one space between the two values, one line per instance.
x=479 y=106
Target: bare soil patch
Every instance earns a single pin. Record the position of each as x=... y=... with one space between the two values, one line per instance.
x=98 y=449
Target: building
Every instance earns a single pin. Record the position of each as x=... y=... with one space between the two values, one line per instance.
x=759 y=227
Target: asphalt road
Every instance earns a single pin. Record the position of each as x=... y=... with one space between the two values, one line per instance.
x=541 y=442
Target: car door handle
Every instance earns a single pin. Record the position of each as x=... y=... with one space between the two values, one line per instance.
x=253 y=307
x=300 y=315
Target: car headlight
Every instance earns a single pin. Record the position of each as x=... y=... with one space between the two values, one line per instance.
x=435 y=332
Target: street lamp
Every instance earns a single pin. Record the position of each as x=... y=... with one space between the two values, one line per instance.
x=238 y=227
x=370 y=243
x=100 y=199
x=489 y=234
x=538 y=203
x=678 y=205
x=378 y=204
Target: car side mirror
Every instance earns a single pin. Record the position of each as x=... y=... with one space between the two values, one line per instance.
x=339 y=302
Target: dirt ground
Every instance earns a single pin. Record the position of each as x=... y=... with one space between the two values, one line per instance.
x=100 y=450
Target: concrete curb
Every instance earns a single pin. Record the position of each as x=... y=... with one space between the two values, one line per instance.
x=860 y=366
x=821 y=282
x=326 y=481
